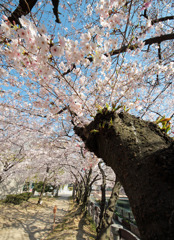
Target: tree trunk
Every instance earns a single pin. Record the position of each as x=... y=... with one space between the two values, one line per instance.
x=52 y=192
x=43 y=189
x=42 y=192
x=87 y=190
x=33 y=191
x=106 y=221
x=82 y=190
x=57 y=191
x=142 y=156
x=74 y=190
x=79 y=192
x=103 y=197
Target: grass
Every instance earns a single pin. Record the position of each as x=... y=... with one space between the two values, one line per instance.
x=90 y=221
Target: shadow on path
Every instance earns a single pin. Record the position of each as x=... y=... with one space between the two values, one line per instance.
x=30 y=221
x=74 y=226
x=83 y=229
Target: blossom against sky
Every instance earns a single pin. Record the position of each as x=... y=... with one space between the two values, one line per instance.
x=74 y=65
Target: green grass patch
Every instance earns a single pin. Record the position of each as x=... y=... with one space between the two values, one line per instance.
x=91 y=222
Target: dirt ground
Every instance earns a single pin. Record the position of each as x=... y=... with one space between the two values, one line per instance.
x=29 y=221
x=75 y=226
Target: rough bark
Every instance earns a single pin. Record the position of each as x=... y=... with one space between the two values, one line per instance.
x=142 y=157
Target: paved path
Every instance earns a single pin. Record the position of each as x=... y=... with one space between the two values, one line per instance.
x=31 y=222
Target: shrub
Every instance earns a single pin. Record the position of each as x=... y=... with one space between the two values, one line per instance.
x=17 y=198
x=39 y=187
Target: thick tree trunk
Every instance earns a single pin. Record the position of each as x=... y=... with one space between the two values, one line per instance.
x=142 y=157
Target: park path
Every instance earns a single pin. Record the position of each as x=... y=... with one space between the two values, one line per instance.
x=29 y=221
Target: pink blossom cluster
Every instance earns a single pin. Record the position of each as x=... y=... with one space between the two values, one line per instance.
x=83 y=73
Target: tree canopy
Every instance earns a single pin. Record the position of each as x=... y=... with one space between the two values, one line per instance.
x=65 y=64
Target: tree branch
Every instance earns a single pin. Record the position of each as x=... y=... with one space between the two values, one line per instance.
x=162 y=19
x=149 y=41
x=158 y=19
x=94 y=180
x=5 y=9
x=25 y=7
x=159 y=39
x=55 y=10
x=22 y=9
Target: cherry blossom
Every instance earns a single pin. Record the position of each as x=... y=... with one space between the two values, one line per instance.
x=67 y=76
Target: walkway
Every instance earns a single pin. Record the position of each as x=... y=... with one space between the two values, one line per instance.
x=29 y=221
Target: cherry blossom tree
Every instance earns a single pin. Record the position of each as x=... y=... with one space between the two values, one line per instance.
x=118 y=58
x=107 y=209
x=14 y=143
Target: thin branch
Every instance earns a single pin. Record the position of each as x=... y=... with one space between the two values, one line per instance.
x=172 y=115
x=94 y=180
x=5 y=8
x=164 y=89
x=81 y=150
x=69 y=165
x=158 y=19
x=159 y=51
